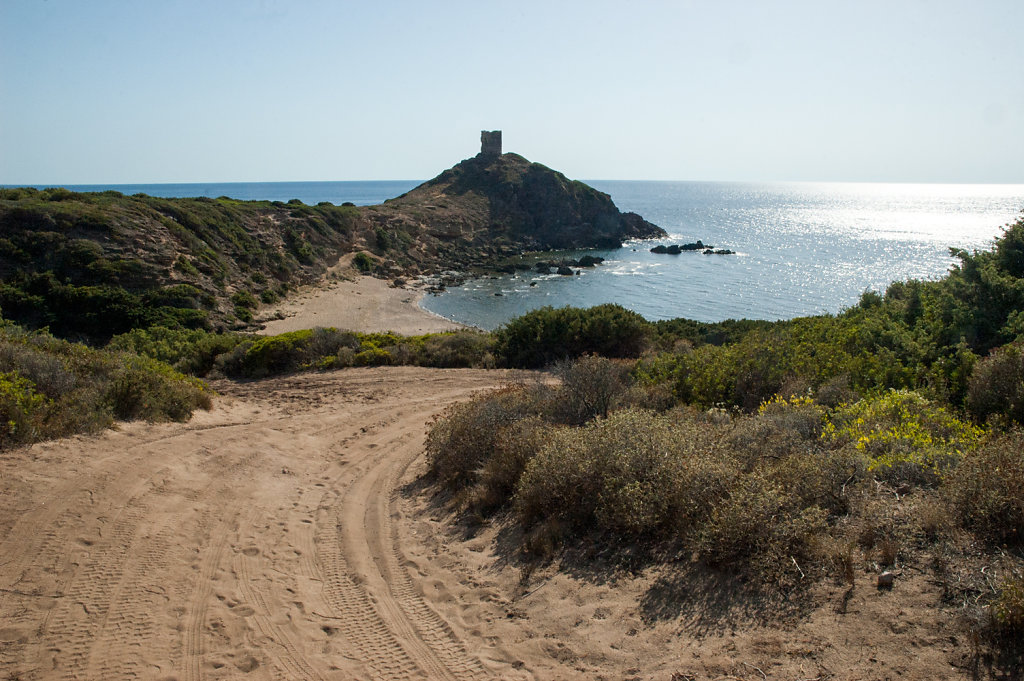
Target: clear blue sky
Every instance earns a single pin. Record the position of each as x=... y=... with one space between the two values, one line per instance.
x=108 y=91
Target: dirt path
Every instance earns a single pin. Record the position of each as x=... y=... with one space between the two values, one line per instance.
x=256 y=540
x=285 y=535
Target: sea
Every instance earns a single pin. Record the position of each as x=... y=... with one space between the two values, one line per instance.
x=800 y=248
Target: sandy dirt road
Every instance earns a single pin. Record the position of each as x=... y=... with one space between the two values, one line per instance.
x=286 y=534
x=256 y=541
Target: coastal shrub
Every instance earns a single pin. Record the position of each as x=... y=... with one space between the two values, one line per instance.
x=996 y=386
x=783 y=444
x=906 y=438
x=142 y=388
x=1008 y=609
x=276 y=354
x=760 y=525
x=634 y=474
x=384 y=240
x=457 y=349
x=363 y=262
x=243 y=314
x=46 y=371
x=326 y=341
x=800 y=415
x=373 y=357
x=543 y=336
x=244 y=299
x=515 y=445
x=190 y=351
x=591 y=386
x=22 y=409
x=987 y=489
x=52 y=388
x=460 y=441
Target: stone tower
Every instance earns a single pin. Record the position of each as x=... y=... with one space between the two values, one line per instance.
x=490 y=142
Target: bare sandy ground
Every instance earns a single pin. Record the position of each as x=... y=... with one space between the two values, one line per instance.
x=286 y=535
x=347 y=300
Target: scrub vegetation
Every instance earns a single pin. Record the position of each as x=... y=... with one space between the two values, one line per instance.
x=92 y=265
x=883 y=438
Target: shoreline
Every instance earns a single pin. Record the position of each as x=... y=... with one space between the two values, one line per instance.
x=363 y=303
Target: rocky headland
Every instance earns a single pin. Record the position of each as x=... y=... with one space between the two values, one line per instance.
x=493 y=206
x=90 y=265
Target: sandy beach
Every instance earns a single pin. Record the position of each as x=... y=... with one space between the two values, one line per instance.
x=347 y=300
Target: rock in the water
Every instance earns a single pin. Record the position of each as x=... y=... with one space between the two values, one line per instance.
x=565 y=271
x=589 y=261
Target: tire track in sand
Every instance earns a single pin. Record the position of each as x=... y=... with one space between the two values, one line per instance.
x=137 y=540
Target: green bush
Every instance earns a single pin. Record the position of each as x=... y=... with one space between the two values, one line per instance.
x=759 y=523
x=1008 y=609
x=22 y=409
x=189 y=351
x=276 y=354
x=514 y=445
x=143 y=388
x=363 y=262
x=457 y=349
x=244 y=299
x=52 y=388
x=373 y=357
x=543 y=336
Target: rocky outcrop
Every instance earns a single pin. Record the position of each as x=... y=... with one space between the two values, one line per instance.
x=676 y=249
x=507 y=201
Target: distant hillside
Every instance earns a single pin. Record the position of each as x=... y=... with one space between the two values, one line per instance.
x=92 y=265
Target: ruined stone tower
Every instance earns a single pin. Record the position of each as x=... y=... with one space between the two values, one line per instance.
x=490 y=142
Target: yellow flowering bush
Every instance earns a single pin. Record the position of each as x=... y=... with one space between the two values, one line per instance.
x=21 y=408
x=905 y=437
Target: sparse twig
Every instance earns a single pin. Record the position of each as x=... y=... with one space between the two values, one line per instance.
x=797 y=567
x=757 y=669
x=533 y=591
x=328 y=617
